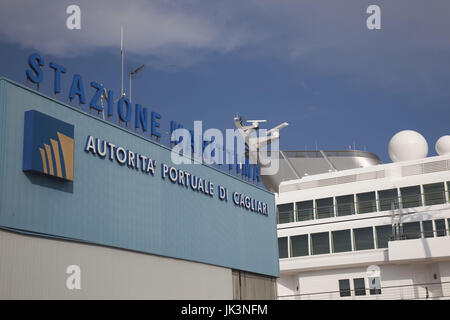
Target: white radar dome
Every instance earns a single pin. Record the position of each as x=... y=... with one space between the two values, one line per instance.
x=407 y=145
x=443 y=145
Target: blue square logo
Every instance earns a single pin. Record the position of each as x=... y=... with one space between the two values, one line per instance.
x=48 y=146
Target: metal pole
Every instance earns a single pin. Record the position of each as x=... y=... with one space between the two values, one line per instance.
x=121 y=54
x=131 y=74
x=290 y=165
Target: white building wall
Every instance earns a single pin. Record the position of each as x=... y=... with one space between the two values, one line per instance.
x=424 y=248
x=398 y=281
x=417 y=268
x=327 y=280
x=288 y=285
x=444 y=271
x=35 y=268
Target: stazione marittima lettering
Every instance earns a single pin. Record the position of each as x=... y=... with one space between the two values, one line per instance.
x=127 y=112
x=139 y=162
x=142 y=116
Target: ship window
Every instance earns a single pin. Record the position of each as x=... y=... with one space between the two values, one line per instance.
x=434 y=193
x=345 y=205
x=427 y=228
x=305 y=210
x=325 y=208
x=411 y=197
x=388 y=199
x=384 y=234
x=282 y=248
x=375 y=285
x=342 y=241
x=411 y=230
x=440 y=227
x=448 y=188
x=299 y=246
x=363 y=238
x=344 y=288
x=285 y=213
x=320 y=243
x=366 y=202
x=360 y=286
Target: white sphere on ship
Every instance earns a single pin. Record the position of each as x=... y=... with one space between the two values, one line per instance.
x=443 y=145
x=407 y=145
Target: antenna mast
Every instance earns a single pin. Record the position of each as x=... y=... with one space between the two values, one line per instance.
x=133 y=73
x=121 y=54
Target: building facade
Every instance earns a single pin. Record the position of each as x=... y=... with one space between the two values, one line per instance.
x=380 y=232
x=82 y=197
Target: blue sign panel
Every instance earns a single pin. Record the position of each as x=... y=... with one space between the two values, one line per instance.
x=48 y=146
x=123 y=190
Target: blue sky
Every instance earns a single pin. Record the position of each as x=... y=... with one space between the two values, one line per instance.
x=311 y=63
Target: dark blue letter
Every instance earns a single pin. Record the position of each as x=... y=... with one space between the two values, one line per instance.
x=35 y=62
x=57 y=81
x=155 y=124
x=141 y=117
x=94 y=101
x=77 y=89
x=110 y=103
x=127 y=117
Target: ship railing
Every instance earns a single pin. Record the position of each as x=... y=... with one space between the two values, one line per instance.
x=329 y=153
x=423 y=291
x=438 y=232
x=360 y=207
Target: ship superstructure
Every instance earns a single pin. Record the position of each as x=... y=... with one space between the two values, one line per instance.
x=379 y=231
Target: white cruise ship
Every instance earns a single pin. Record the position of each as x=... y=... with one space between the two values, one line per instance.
x=350 y=227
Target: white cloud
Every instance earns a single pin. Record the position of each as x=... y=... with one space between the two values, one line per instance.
x=325 y=36
x=150 y=27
